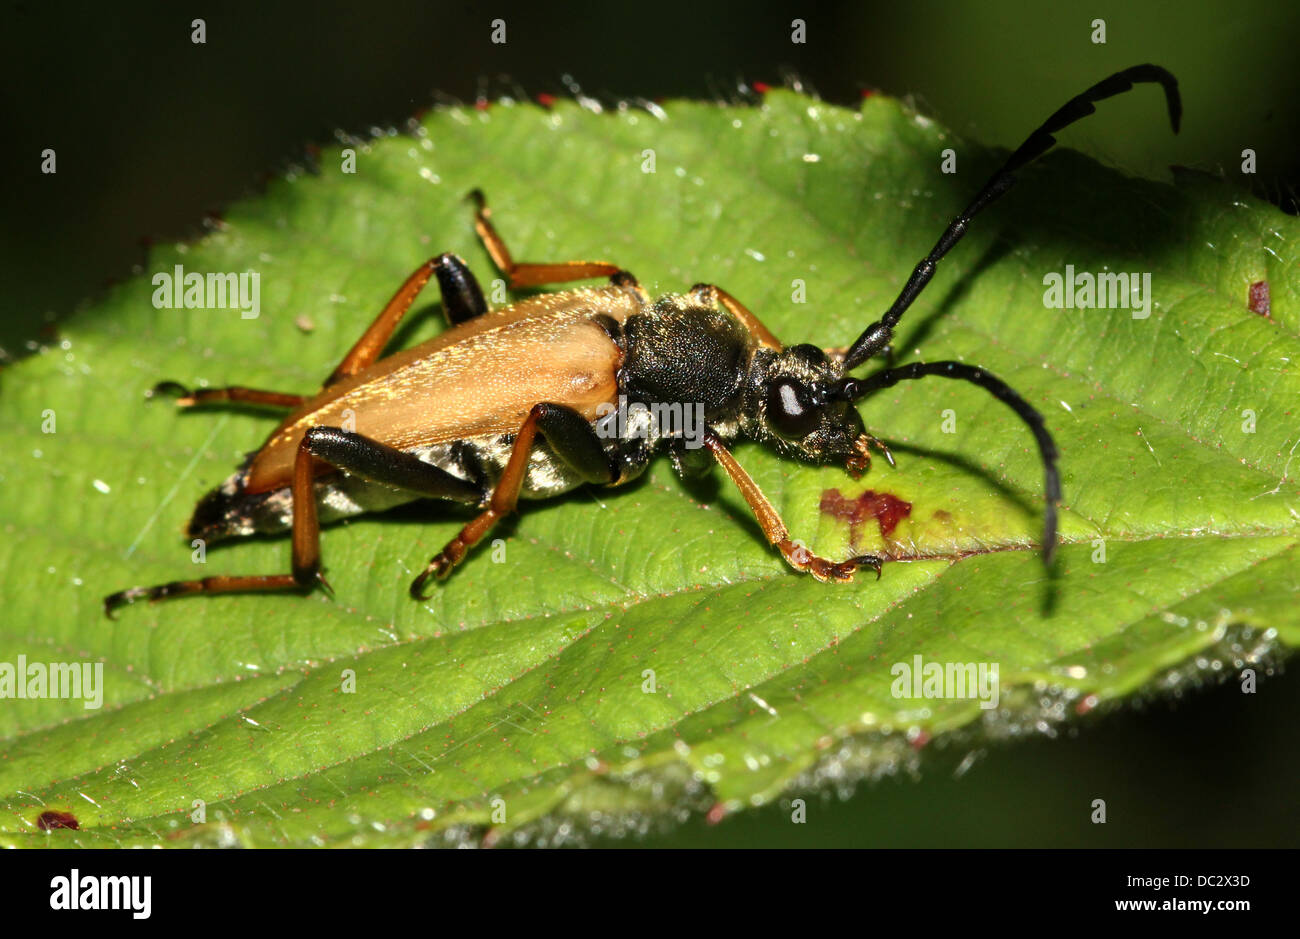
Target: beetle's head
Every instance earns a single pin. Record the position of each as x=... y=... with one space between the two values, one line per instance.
x=799 y=406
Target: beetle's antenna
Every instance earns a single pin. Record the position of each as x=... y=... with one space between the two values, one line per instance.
x=854 y=388
x=878 y=335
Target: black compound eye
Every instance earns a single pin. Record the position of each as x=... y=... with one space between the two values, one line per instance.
x=790 y=410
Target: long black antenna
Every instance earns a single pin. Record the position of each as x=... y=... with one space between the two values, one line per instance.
x=878 y=335
x=855 y=388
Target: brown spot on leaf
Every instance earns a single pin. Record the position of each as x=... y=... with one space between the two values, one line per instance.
x=52 y=819
x=887 y=510
x=1260 y=301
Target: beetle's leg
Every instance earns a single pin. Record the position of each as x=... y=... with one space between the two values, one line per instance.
x=712 y=296
x=533 y=275
x=572 y=439
x=461 y=300
x=379 y=463
x=306 y=555
x=800 y=558
x=200 y=396
x=346 y=450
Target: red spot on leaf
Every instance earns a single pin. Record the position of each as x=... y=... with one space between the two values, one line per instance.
x=1259 y=298
x=716 y=814
x=52 y=819
x=545 y=100
x=887 y=510
x=869 y=93
x=762 y=87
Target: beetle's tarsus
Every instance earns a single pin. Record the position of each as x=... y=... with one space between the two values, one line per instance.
x=175 y=588
x=439 y=568
x=842 y=573
x=417 y=585
x=115 y=601
x=870 y=561
x=823 y=569
x=445 y=561
x=184 y=396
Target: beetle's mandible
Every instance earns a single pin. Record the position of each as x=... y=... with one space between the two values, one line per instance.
x=522 y=401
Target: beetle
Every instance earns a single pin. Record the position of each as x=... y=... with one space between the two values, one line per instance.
x=520 y=402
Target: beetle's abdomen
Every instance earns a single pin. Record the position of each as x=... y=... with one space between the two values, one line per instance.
x=231 y=511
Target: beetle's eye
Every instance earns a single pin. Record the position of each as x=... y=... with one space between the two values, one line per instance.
x=789 y=410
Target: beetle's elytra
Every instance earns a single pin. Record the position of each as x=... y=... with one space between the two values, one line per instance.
x=520 y=402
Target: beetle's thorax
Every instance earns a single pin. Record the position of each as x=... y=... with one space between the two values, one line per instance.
x=685 y=353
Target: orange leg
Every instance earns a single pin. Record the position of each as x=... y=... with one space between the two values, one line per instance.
x=798 y=557
x=347 y=450
x=462 y=300
x=504 y=499
x=237 y=393
x=306 y=555
x=368 y=348
x=530 y=275
x=461 y=294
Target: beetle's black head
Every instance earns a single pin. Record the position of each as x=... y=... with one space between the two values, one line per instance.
x=798 y=405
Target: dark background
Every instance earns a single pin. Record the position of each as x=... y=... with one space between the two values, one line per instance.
x=153 y=132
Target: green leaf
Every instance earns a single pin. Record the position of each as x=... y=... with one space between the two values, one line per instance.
x=518 y=688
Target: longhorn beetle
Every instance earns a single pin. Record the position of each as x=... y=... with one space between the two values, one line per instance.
x=516 y=403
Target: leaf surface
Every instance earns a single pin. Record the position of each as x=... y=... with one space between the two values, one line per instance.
x=515 y=700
